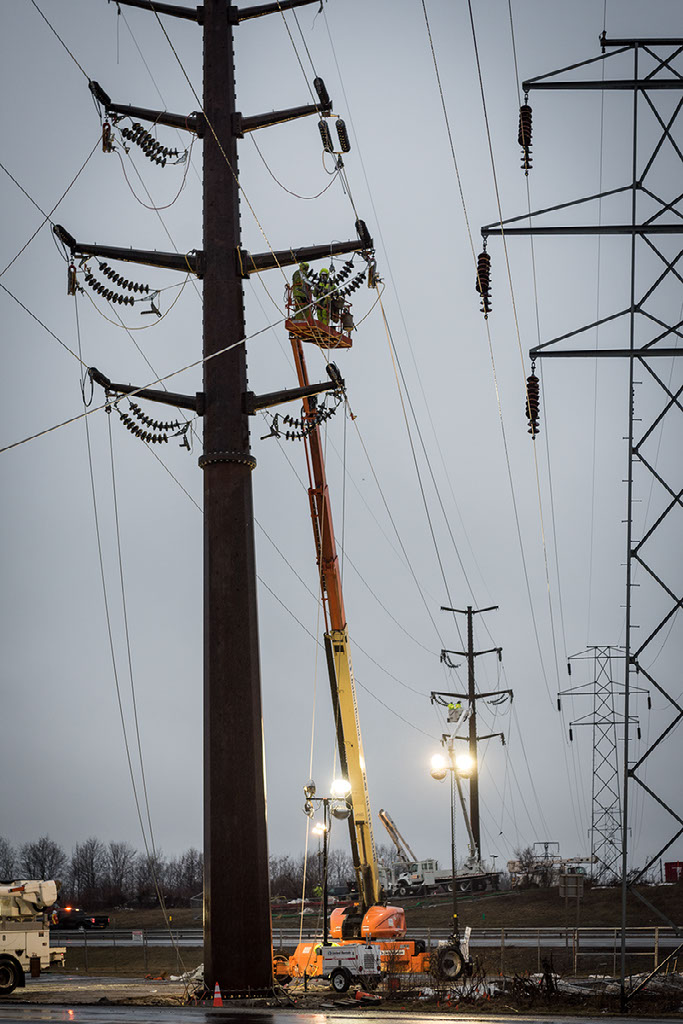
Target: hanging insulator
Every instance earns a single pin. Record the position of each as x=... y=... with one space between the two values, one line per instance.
x=638 y=732
x=571 y=736
x=107 y=146
x=532 y=403
x=559 y=704
x=324 y=130
x=483 y=283
x=71 y=280
x=524 y=136
x=343 y=136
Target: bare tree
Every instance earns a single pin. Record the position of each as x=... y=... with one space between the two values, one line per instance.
x=87 y=872
x=386 y=854
x=185 y=877
x=7 y=860
x=119 y=873
x=42 y=859
x=286 y=877
x=340 y=868
x=150 y=879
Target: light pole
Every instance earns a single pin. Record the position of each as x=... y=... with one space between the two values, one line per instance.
x=322 y=828
x=451 y=959
x=338 y=805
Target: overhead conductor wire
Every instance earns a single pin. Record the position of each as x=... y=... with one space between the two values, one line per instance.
x=574 y=754
x=438 y=555
x=151 y=856
x=502 y=425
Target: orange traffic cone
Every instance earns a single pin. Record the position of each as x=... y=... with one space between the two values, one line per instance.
x=217 y=997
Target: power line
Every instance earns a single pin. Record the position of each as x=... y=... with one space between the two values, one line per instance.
x=46 y=216
x=54 y=31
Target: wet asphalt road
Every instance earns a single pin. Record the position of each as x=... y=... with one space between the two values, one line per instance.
x=185 y=1015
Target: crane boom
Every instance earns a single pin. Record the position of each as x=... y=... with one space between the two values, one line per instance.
x=339 y=663
x=404 y=852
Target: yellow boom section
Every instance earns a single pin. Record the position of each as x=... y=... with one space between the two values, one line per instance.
x=353 y=763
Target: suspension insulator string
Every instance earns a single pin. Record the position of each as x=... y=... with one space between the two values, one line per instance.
x=483 y=283
x=325 y=135
x=524 y=135
x=343 y=136
x=152 y=149
x=123 y=282
x=158 y=432
x=533 y=401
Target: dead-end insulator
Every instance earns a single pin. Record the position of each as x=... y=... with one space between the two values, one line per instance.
x=483 y=283
x=533 y=403
x=325 y=135
x=343 y=136
x=524 y=136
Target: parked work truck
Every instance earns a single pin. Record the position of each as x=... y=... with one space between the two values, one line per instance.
x=408 y=876
x=25 y=931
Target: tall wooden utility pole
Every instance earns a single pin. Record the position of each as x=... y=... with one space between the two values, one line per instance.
x=472 y=697
x=237 y=924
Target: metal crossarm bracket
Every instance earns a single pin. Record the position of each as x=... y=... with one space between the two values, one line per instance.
x=254 y=264
x=235 y=14
x=192 y=262
x=191 y=403
x=189 y=122
x=252 y=402
x=242 y=125
x=188 y=13
x=465 y=696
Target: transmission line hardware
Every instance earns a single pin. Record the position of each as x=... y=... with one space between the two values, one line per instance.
x=483 y=282
x=524 y=135
x=152 y=149
x=533 y=393
x=342 y=135
x=158 y=431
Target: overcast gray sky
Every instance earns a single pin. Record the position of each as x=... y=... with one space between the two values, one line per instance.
x=64 y=769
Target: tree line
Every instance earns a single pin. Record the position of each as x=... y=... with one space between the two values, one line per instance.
x=106 y=875
x=98 y=875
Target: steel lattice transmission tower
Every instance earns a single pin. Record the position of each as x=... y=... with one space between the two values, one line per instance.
x=646 y=335
x=605 y=720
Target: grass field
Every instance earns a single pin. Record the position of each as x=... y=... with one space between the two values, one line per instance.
x=521 y=908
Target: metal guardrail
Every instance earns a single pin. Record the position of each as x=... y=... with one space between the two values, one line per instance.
x=646 y=942
x=193 y=936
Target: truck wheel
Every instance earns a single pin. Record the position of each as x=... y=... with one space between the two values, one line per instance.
x=9 y=975
x=402 y=889
x=340 y=979
x=449 y=963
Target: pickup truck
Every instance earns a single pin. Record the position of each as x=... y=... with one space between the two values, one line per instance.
x=74 y=917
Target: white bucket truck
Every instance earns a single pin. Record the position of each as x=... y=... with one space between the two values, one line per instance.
x=25 y=931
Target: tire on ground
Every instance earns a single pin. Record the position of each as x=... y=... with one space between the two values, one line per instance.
x=10 y=975
x=340 y=979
